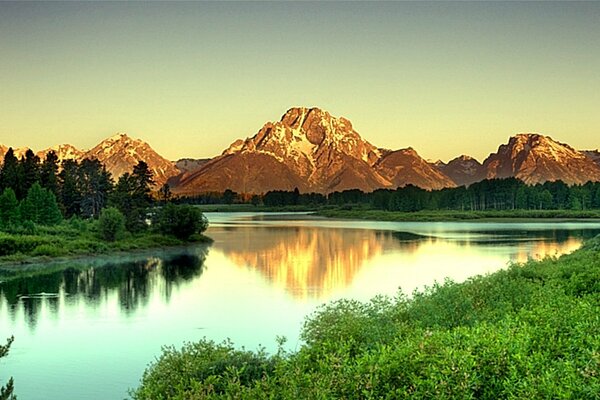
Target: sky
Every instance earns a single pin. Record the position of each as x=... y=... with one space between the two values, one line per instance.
x=190 y=78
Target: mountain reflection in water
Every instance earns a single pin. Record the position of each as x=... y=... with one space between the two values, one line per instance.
x=310 y=262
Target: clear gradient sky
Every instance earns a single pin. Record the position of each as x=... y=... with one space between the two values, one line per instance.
x=190 y=78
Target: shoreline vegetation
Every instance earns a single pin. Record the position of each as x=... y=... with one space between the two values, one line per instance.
x=529 y=331
x=451 y=215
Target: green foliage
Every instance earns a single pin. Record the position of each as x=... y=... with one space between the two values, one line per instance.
x=530 y=331
x=25 y=244
x=131 y=196
x=6 y=392
x=181 y=221
x=40 y=206
x=203 y=368
x=9 y=208
x=111 y=224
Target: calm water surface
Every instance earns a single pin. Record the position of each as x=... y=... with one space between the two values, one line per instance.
x=89 y=331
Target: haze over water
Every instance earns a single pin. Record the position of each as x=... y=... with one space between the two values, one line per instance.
x=89 y=331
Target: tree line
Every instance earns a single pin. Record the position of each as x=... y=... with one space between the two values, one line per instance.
x=46 y=191
x=489 y=194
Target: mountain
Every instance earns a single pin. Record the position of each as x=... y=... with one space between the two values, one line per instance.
x=18 y=151
x=63 y=152
x=190 y=164
x=120 y=154
x=463 y=170
x=535 y=158
x=313 y=151
x=594 y=155
x=405 y=167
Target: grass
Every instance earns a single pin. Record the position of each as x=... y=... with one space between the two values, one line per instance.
x=449 y=215
x=530 y=331
x=76 y=238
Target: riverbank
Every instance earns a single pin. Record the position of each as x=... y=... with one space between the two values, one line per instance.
x=78 y=238
x=449 y=215
x=526 y=332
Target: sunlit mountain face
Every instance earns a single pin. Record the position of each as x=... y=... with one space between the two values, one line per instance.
x=314 y=151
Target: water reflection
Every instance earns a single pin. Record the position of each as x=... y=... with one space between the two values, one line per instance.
x=134 y=282
x=313 y=262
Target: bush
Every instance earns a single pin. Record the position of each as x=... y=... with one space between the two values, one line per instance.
x=181 y=374
x=111 y=224
x=181 y=221
x=48 y=250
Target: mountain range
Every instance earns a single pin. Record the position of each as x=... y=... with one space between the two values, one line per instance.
x=313 y=151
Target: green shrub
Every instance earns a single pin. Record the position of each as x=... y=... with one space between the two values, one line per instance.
x=48 y=250
x=202 y=368
x=181 y=221
x=111 y=224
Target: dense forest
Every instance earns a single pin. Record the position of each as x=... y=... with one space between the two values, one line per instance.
x=46 y=191
x=489 y=194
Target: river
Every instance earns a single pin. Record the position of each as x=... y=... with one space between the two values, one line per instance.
x=87 y=329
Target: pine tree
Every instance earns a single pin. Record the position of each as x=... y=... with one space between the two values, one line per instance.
x=49 y=172
x=96 y=184
x=9 y=175
x=9 y=208
x=142 y=177
x=40 y=206
x=69 y=190
x=30 y=172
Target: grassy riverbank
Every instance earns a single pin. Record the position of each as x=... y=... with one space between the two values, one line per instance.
x=77 y=238
x=448 y=215
x=530 y=331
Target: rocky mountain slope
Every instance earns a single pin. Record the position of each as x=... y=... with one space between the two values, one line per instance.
x=313 y=151
x=119 y=154
x=535 y=158
x=463 y=170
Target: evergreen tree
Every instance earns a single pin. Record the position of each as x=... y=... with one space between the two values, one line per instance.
x=30 y=172
x=124 y=199
x=95 y=184
x=142 y=177
x=164 y=193
x=49 y=172
x=69 y=190
x=9 y=208
x=9 y=175
x=40 y=206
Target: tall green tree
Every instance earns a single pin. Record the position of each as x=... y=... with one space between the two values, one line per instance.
x=95 y=184
x=9 y=208
x=164 y=193
x=125 y=200
x=49 y=172
x=40 y=206
x=133 y=195
x=29 y=168
x=142 y=177
x=9 y=175
x=69 y=190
